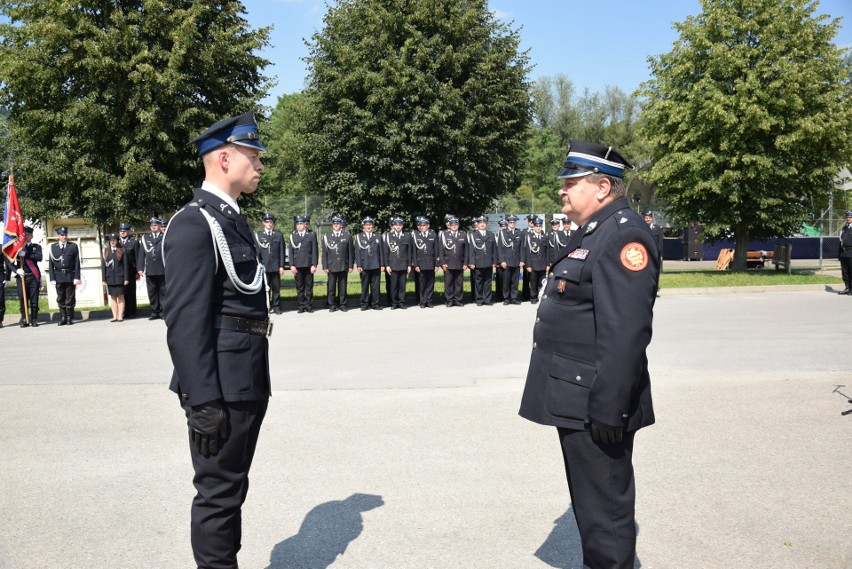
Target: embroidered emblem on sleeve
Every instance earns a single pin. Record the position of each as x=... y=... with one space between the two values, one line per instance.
x=634 y=256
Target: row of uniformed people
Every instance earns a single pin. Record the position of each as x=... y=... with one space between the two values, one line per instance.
x=419 y=253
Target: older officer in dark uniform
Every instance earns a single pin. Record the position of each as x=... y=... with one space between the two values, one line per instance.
x=588 y=373
x=397 y=253
x=481 y=259
x=337 y=260
x=451 y=258
x=150 y=261
x=217 y=327
x=64 y=269
x=509 y=243
x=130 y=249
x=534 y=256
x=272 y=250
x=304 y=257
x=28 y=275
x=370 y=262
x=425 y=261
x=844 y=254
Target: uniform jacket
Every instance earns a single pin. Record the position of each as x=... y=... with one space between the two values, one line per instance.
x=337 y=252
x=509 y=245
x=303 y=249
x=535 y=251
x=845 y=250
x=368 y=251
x=212 y=364
x=150 y=258
x=657 y=232
x=272 y=250
x=594 y=325
x=115 y=271
x=425 y=253
x=452 y=250
x=32 y=255
x=396 y=250
x=556 y=241
x=63 y=266
x=481 y=249
x=130 y=248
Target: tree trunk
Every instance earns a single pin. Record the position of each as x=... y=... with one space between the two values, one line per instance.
x=741 y=240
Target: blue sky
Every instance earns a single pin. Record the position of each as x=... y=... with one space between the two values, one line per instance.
x=593 y=43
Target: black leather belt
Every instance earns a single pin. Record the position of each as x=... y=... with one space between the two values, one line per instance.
x=66 y=270
x=256 y=327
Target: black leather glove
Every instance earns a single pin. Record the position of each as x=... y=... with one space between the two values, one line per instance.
x=207 y=422
x=606 y=434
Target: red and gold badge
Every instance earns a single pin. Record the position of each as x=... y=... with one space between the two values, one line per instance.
x=634 y=256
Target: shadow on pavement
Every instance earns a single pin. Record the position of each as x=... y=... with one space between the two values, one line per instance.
x=326 y=532
x=562 y=548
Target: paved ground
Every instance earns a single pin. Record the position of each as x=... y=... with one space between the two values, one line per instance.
x=393 y=441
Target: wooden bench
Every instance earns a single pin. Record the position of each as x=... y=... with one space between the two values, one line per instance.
x=753 y=259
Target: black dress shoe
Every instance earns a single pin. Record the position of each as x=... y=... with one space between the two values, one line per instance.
x=845 y=291
x=23 y=324
x=365 y=308
x=516 y=302
x=377 y=308
x=394 y=307
x=34 y=324
x=344 y=308
x=300 y=310
x=506 y=302
x=333 y=309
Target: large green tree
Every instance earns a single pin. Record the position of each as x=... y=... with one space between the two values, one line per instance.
x=750 y=115
x=105 y=95
x=416 y=107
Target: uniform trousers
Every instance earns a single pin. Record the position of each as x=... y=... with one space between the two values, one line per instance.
x=396 y=291
x=510 y=283
x=498 y=283
x=370 y=279
x=130 y=296
x=156 y=292
x=535 y=282
x=305 y=287
x=426 y=286
x=453 y=285
x=337 y=281
x=66 y=295
x=32 y=285
x=273 y=279
x=525 y=286
x=482 y=285
x=2 y=300
x=603 y=496
x=222 y=484
x=846 y=270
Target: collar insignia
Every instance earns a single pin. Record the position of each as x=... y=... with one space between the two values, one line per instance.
x=591 y=226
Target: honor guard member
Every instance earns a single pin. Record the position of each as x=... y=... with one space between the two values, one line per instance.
x=130 y=248
x=845 y=254
x=370 y=262
x=452 y=254
x=150 y=261
x=63 y=267
x=304 y=257
x=588 y=373
x=337 y=260
x=498 y=271
x=659 y=239
x=397 y=254
x=425 y=261
x=534 y=255
x=525 y=275
x=272 y=252
x=509 y=246
x=481 y=260
x=28 y=278
x=556 y=239
x=217 y=326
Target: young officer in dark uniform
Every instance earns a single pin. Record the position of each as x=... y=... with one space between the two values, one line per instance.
x=525 y=275
x=370 y=261
x=397 y=253
x=64 y=269
x=657 y=232
x=481 y=260
x=337 y=259
x=534 y=256
x=217 y=327
x=452 y=254
x=150 y=261
x=588 y=373
x=272 y=250
x=304 y=257
x=844 y=253
x=425 y=261
x=509 y=244
x=28 y=275
x=130 y=252
x=556 y=240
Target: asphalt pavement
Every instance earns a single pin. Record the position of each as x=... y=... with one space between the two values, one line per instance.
x=393 y=441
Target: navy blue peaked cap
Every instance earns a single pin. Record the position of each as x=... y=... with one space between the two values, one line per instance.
x=240 y=130
x=586 y=158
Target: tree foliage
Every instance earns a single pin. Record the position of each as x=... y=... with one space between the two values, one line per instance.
x=750 y=117
x=105 y=95
x=416 y=107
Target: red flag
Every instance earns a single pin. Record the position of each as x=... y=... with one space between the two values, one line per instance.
x=13 y=223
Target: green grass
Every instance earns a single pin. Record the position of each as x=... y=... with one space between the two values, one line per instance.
x=753 y=277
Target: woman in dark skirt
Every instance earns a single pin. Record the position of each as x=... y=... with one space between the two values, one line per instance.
x=115 y=277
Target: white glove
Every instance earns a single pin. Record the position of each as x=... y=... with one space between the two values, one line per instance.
x=21 y=253
x=76 y=282
x=20 y=272
x=53 y=282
